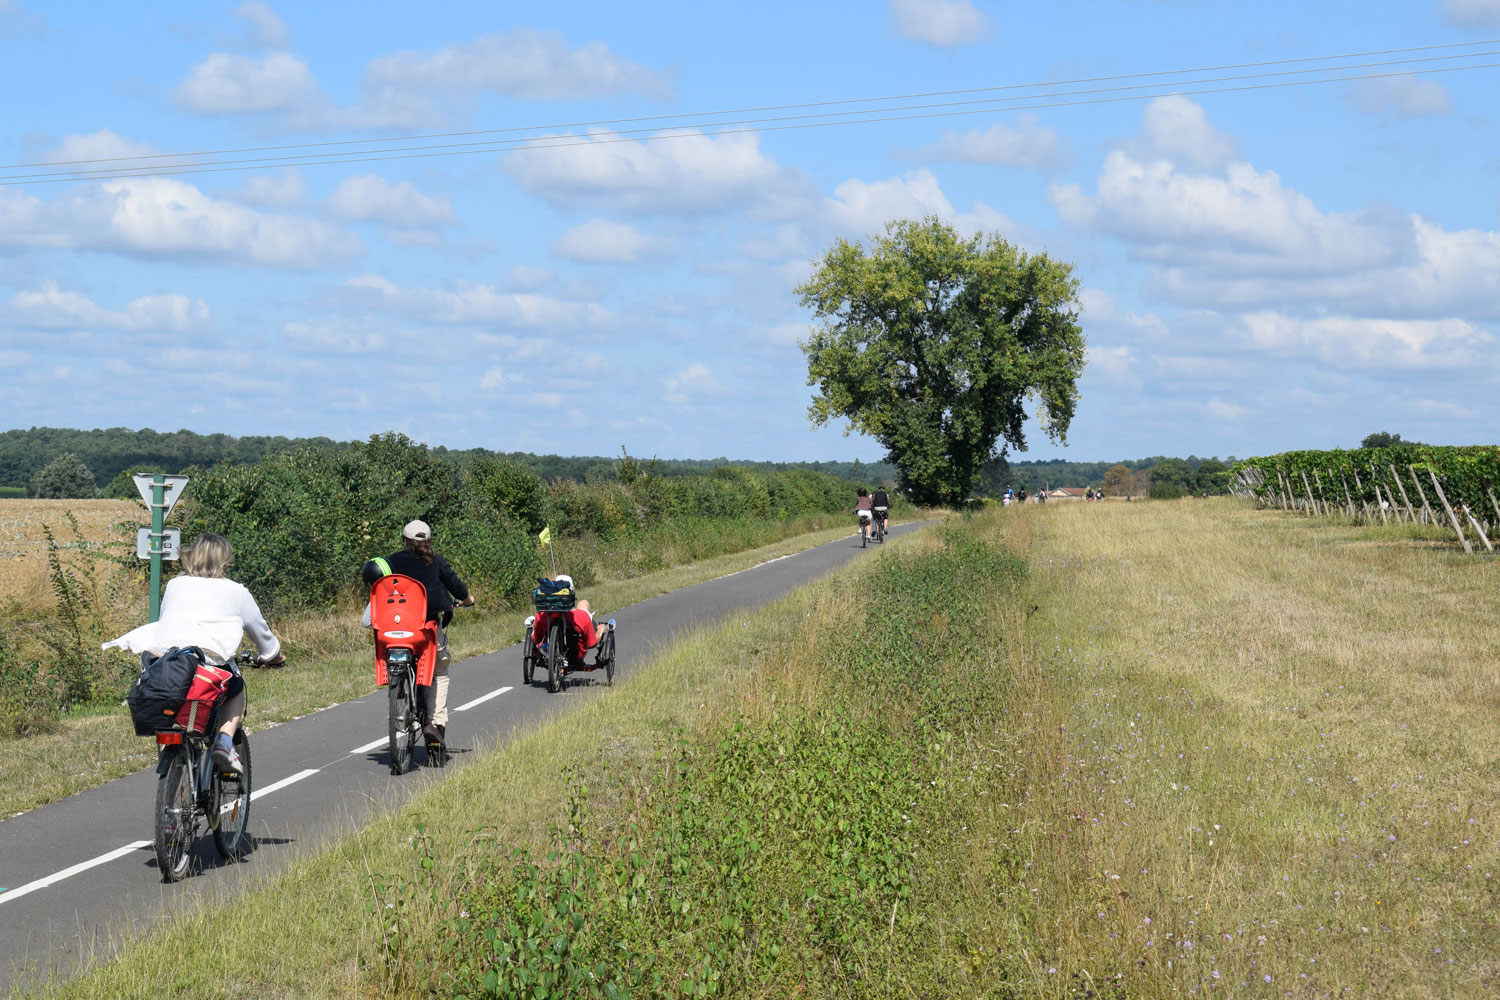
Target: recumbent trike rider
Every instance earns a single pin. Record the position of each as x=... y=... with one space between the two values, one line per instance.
x=561 y=633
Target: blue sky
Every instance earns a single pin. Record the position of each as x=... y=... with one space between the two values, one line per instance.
x=1261 y=270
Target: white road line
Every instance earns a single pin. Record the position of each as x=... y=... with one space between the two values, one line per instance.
x=257 y=793
x=482 y=699
x=372 y=745
x=82 y=866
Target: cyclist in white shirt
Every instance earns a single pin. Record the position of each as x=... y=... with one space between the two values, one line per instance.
x=203 y=608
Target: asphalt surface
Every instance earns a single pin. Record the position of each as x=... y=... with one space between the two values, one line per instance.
x=80 y=875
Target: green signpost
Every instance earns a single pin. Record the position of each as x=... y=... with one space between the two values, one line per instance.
x=158 y=542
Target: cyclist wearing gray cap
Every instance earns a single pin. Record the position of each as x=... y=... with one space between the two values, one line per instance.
x=418 y=561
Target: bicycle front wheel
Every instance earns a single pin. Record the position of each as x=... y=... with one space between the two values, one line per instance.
x=176 y=820
x=403 y=736
x=232 y=799
x=556 y=657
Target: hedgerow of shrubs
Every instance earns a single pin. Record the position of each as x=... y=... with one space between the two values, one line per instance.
x=302 y=522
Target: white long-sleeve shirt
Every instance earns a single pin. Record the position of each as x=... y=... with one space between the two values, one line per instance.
x=211 y=613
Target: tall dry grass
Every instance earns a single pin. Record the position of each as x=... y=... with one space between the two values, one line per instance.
x=24 y=578
x=1260 y=759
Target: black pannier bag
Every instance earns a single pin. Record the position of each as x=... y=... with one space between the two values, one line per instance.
x=161 y=688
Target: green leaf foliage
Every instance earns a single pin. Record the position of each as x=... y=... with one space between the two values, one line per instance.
x=932 y=343
x=1468 y=474
x=302 y=522
x=64 y=478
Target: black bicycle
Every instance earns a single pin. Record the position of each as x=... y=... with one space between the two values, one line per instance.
x=408 y=715
x=193 y=796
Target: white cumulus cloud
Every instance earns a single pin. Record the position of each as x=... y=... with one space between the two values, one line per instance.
x=522 y=62
x=1025 y=144
x=940 y=22
x=601 y=241
x=372 y=198
x=101 y=145
x=680 y=172
x=1363 y=343
x=163 y=217
x=859 y=207
x=234 y=84
x=1178 y=128
x=51 y=307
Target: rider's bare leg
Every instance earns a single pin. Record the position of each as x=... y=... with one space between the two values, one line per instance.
x=234 y=707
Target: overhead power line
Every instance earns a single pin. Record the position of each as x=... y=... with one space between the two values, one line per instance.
x=714 y=123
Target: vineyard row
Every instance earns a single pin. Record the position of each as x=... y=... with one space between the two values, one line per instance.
x=1452 y=486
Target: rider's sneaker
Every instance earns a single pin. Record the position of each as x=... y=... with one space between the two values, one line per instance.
x=227 y=761
x=432 y=733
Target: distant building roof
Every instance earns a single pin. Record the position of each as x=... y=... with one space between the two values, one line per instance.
x=1068 y=491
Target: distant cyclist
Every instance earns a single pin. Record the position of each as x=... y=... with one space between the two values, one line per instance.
x=418 y=561
x=203 y=608
x=863 y=510
x=881 y=505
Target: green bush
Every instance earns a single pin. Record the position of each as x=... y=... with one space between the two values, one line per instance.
x=64 y=478
x=1166 y=491
x=302 y=522
x=510 y=487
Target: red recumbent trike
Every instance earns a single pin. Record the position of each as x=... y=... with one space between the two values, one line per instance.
x=560 y=651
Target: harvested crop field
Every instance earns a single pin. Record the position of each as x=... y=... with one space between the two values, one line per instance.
x=104 y=527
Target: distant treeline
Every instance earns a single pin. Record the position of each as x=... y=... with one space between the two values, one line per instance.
x=111 y=453
x=1191 y=474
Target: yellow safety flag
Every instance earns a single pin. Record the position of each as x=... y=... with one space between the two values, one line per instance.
x=546 y=536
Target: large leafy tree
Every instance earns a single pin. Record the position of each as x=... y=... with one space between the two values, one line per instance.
x=932 y=344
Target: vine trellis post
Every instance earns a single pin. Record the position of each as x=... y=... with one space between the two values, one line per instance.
x=1409 y=512
x=1457 y=528
x=1428 y=515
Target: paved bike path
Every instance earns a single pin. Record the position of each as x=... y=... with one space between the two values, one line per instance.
x=81 y=872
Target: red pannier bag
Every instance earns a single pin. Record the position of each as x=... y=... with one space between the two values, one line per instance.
x=398 y=607
x=207 y=690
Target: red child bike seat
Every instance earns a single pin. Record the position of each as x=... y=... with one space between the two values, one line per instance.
x=398 y=609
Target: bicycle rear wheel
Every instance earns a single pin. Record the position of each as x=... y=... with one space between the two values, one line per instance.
x=403 y=733
x=232 y=799
x=176 y=819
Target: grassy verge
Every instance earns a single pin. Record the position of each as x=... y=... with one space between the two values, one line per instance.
x=331 y=664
